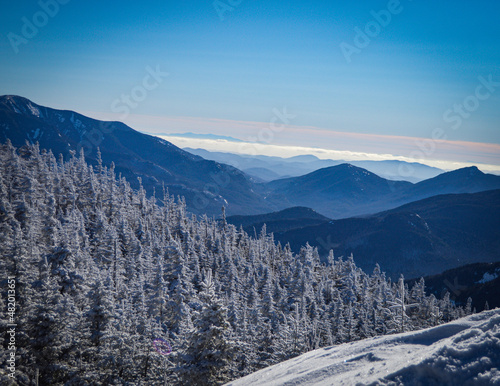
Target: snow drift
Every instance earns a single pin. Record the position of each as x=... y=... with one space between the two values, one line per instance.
x=463 y=352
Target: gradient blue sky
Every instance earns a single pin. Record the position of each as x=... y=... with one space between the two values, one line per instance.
x=266 y=55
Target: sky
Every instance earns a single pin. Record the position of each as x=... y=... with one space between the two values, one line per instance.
x=416 y=80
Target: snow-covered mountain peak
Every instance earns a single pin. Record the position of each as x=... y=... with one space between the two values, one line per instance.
x=21 y=105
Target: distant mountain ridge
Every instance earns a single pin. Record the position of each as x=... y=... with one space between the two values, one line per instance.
x=335 y=191
x=465 y=180
x=268 y=168
x=345 y=190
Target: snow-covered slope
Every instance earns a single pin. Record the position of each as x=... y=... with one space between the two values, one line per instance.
x=462 y=352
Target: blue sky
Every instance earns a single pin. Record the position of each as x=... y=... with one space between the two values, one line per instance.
x=267 y=55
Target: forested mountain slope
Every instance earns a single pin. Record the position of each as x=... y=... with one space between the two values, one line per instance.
x=284 y=220
x=101 y=271
x=206 y=185
x=418 y=239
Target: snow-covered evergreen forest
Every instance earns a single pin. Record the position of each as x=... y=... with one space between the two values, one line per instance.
x=102 y=270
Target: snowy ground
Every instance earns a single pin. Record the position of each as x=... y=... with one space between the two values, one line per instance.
x=463 y=352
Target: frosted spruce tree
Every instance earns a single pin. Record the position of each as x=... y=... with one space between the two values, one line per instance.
x=208 y=357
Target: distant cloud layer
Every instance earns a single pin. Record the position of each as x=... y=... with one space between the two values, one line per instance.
x=261 y=138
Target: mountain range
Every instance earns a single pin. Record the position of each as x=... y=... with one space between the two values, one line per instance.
x=338 y=191
x=268 y=168
x=345 y=190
